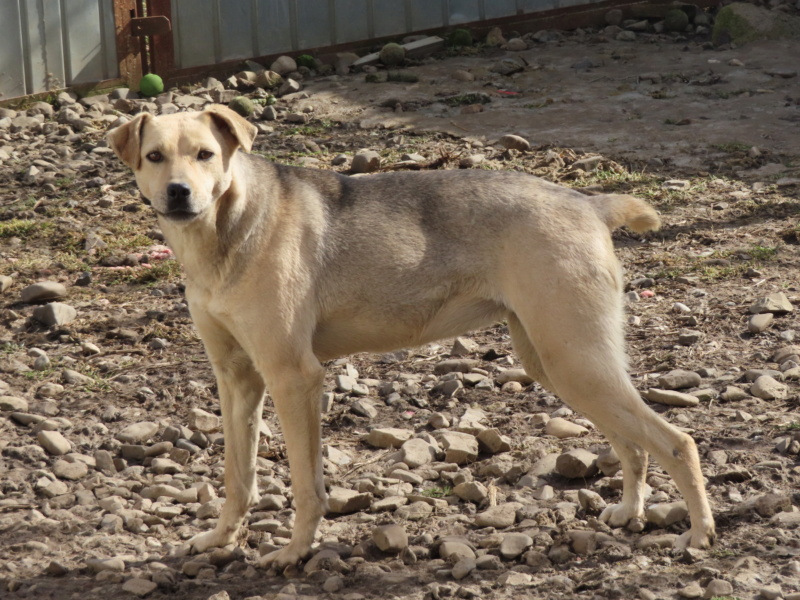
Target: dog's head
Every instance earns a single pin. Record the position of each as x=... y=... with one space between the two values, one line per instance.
x=182 y=162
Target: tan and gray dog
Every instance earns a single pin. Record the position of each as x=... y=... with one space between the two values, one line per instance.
x=288 y=267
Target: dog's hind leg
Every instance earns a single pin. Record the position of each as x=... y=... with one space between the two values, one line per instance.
x=527 y=353
x=241 y=395
x=296 y=383
x=633 y=460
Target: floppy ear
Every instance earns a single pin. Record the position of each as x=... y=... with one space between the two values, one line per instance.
x=126 y=140
x=233 y=125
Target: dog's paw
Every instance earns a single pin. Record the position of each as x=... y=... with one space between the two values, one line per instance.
x=285 y=557
x=621 y=515
x=204 y=541
x=702 y=539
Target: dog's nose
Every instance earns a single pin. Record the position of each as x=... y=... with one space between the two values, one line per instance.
x=178 y=192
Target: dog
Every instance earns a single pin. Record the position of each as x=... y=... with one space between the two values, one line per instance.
x=289 y=267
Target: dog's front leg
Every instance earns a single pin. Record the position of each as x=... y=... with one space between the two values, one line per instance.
x=241 y=393
x=296 y=389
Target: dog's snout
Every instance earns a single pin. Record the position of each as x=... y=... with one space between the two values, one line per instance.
x=178 y=192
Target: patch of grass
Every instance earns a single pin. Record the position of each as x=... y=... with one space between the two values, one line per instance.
x=723 y=553
x=21 y=228
x=467 y=99
x=732 y=147
x=762 y=253
x=39 y=375
x=793 y=426
x=437 y=492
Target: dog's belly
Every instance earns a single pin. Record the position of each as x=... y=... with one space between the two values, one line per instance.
x=401 y=327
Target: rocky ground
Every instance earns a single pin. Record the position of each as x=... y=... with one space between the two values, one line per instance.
x=451 y=474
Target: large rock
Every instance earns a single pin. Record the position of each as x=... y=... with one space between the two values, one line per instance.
x=55 y=314
x=500 y=516
x=418 y=452
x=343 y=501
x=388 y=437
x=767 y=388
x=776 y=303
x=459 y=448
x=43 y=290
x=671 y=397
x=679 y=380
x=743 y=22
x=390 y=538
x=577 y=464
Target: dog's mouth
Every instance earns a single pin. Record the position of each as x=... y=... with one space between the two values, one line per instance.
x=178 y=215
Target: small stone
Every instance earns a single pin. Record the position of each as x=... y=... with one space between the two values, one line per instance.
x=55 y=443
x=562 y=429
x=98 y=565
x=13 y=404
x=691 y=590
x=283 y=65
x=515 y=578
x=460 y=448
x=137 y=433
x=453 y=550
x=671 y=397
x=759 y=323
x=667 y=513
x=200 y=420
x=463 y=346
x=518 y=375
x=500 y=516
x=733 y=394
x=591 y=501
x=492 y=442
x=55 y=314
x=776 y=303
x=679 y=380
x=717 y=588
x=388 y=437
x=455 y=365
x=463 y=568
x=514 y=142
x=514 y=544
x=767 y=388
x=608 y=462
x=689 y=337
x=390 y=538
x=70 y=470
x=366 y=161
x=139 y=587
x=576 y=464
x=344 y=501
x=44 y=290
x=417 y=452
x=472 y=491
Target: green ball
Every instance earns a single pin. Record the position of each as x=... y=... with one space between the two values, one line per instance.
x=460 y=37
x=676 y=20
x=307 y=61
x=241 y=105
x=392 y=55
x=151 y=85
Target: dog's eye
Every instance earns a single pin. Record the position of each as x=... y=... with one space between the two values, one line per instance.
x=204 y=155
x=155 y=157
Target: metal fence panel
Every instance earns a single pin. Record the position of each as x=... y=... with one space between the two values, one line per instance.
x=196 y=31
x=352 y=20
x=464 y=11
x=313 y=23
x=236 y=27
x=275 y=26
x=12 y=64
x=495 y=9
x=389 y=18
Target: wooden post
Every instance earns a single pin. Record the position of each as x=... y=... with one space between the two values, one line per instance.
x=128 y=55
x=162 y=45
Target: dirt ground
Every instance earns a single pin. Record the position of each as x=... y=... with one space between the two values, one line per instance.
x=709 y=137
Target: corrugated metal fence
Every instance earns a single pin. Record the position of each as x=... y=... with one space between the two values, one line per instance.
x=47 y=44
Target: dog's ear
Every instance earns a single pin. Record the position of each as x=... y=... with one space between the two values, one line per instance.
x=233 y=124
x=126 y=140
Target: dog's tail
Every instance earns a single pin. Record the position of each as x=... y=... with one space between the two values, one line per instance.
x=617 y=210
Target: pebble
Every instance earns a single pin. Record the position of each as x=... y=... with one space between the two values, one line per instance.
x=776 y=303
x=13 y=404
x=388 y=437
x=454 y=551
x=514 y=142
x=418 y=452
x=518 y=375
x=563 y=429
x=576 y=464
x=390 y=538
x=463 y=568
x=44 y=290
x=717 y=588
x=139 y=587
x=760 y=322
x=137 y=433
x=500 y=516
x=514 y=544
x=366 y=161
x=767 y=388
x=665 y=514
x=70 y=470
x=460 y=448
x=55 y=443
x=671 y=397
x=679 y=380
x=472 y=491
x=55 y=314
x=344 y=501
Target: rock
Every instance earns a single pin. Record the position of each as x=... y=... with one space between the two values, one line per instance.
x=495 y=37
x=516 y=45
x=55 y=314
x=676 y=20
x=518 y=375
x=44 y=290
x=55 y=443
x=139 y=587
x=679 y=380
x=759 y=323
x=717 y=588
x=514 y=544
x=591 y=501
x=138 y=433
x=455 y=365
x=492 y=442
x=390 y=538
x=500 y=516
x=733 y=394
x=515 y=578
x=608 y=462
x=200 y=420
x=472 y=491
x=576 y=464
x=665 y=514
x=70 y=470
x=562 y=429
x=366 y=161
x=767 y=388
x=463 y=567
x=13 y=404
x=454 y=551
x=345 y=383
x=514 y=142
x=689 y=337
x=769 y=505
x=388 y=437
x=776 y=303
x=463 y=346
x=460 y=448
x=98 y=565
x=417 y=452
x=284 y=65
x=742 y=22
x=671 y=397
x=344 y=501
